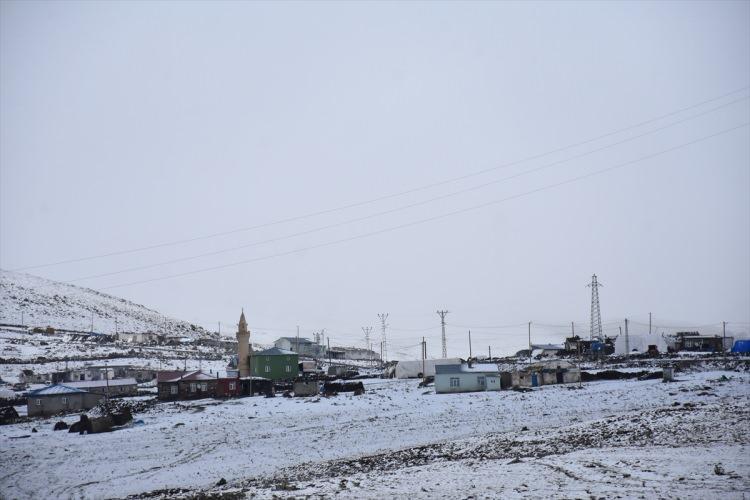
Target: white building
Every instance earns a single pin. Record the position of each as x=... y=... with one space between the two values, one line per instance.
x=463 y=377
x=302 y=346
x=138 y=337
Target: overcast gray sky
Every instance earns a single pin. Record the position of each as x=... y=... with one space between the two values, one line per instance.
x=130 y=124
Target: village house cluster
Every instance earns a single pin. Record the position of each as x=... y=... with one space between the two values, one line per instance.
x=293 y=366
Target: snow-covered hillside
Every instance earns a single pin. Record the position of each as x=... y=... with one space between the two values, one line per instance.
x=50 y=303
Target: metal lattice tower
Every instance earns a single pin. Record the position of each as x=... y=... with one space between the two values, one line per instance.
x=383 y=325
x=367 y=330
x=596 y=315
x=442 y=322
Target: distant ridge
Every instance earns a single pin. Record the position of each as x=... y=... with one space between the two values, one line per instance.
x=46 y=302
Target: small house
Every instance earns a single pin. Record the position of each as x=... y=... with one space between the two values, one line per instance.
x=546 y=373
x=55 y=399
x=174 y=385
x=465 y=377
x=695 y=342
x=228 y=387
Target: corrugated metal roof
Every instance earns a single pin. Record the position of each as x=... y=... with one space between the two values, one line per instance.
x=275 y=351
x=175 y=376
x=464 y=368
x=102 y=383
x=54 y=390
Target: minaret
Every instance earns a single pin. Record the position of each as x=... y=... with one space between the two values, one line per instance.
x=243 y=347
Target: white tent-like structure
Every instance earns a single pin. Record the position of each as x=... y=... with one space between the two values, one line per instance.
x=413 y=369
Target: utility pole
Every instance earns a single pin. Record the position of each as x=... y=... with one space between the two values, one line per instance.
x=297 y=340
x=489 y=349
x=329 y=352
x=442 y=322
x=649 y=323
x=92 y=321
x=627 y=339
x=724 y=336
x=572 y=329
x=529 y=342
x=106 y=376
x=383 y=325
x=219 y=328
x=596 y=315
x=469 y=344
x=424 y=356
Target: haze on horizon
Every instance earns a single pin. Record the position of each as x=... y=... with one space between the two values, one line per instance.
x=126 y=125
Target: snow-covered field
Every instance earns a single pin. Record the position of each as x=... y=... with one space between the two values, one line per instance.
x=629 y=438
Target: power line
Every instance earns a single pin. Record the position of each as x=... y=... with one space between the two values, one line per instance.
x=385 y=197
x=441 y=216
x=403 y=207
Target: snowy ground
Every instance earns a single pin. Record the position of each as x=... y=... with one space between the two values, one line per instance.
x=630 y=438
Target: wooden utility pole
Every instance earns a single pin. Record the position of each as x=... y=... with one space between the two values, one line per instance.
x=649 y=323
x=469 y=344
x=106 y=377
x=489 y=351
x=329 y=352
x=724 y=336
x=424 y=355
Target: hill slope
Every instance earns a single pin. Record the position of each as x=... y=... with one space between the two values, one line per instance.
x=51 y=303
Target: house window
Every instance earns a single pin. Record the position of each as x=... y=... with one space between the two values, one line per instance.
x=39 y=402
x=82 y=377
x=231 y=386
x=455 y=382
x=65 y=401
x=173 y=389
x=204 y=386
x=288 y=368
x=192 y=387
x=268 y=368
x=480 y=381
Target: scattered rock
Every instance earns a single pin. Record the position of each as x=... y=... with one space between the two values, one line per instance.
x=60 y=426
x=221 y=482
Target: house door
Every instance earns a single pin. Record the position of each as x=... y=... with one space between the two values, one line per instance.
x=534 y=380
x=559 y=376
